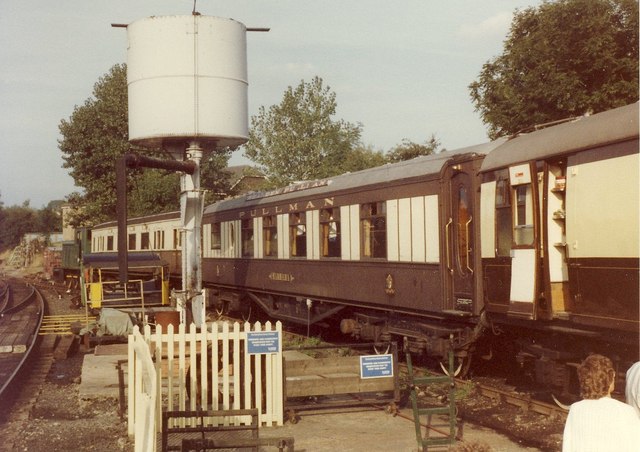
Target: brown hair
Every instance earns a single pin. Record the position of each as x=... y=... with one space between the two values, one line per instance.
x=596 y=373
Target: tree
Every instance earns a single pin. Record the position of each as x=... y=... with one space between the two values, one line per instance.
x=94 y=137
x=153 y=191
x=298 y=139
x=362 y=157
x=48 y=220
x=564 y=58
x=409 y=150
x=15 y=222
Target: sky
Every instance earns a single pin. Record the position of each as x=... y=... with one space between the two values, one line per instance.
x=400 y=69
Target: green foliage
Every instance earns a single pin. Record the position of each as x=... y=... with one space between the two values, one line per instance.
x=49 y=220
x=15 y=222
x=561 y=59
x=362 y=157
x=153 y=191
x=92 y=140
x=214 y=176
x=298 y=139
x=95 y=136
x=409 y=150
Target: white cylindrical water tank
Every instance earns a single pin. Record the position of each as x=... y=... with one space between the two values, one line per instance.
x=187 y=80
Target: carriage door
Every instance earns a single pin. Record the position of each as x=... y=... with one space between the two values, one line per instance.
x=524 y=254
x=459 y=238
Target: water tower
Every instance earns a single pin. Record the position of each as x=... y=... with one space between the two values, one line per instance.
x=187 y=87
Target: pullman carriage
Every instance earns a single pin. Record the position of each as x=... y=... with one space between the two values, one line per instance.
x=390 y=250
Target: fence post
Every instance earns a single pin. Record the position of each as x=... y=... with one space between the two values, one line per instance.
x=131 y=372
x=145 y=396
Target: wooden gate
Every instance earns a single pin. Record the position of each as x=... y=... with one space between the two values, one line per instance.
x=210 y=368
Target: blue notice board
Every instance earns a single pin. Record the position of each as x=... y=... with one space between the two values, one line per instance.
x=263 y=342
x=376 y=366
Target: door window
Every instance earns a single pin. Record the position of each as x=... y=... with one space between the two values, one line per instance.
x=373 y=230
x=464 y=218
x=298 y=234
x=503 y=217
x=246 y=229
x=330 y=227
x=523 y=215
x=216 y=236
x=270 y=236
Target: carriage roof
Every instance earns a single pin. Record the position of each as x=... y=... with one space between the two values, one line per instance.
x=417 y=167
x=585 y=132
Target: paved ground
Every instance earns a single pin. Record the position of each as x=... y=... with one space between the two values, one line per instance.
x=372 y=431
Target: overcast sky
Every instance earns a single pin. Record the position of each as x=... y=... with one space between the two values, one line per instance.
x=400 y=68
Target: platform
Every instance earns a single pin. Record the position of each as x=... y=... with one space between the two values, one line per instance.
x=358 y=429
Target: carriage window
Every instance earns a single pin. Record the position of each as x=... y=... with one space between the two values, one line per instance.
x=523 y=215
x=330 y=227
x=298 y=234
x=132 y=241
x=373 y=230
x=109 y=243
x=247 y=238
x=158 y=240
x=177 y=239
x=503 y=216
x=270 y=236
x=216 y=236
x=144 y=241
x=232 y=236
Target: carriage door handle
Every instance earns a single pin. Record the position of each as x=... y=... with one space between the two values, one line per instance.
x=468 y=249
x=446 y=233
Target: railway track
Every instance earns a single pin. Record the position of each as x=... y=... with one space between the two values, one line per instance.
x=21 y=316
x=25 y=358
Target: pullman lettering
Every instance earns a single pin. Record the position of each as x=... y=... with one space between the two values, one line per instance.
x=286 y=208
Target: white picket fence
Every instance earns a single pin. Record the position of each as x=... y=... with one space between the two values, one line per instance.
x=236 y=380
x=145 y=395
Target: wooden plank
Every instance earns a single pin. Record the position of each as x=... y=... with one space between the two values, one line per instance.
x=7 y=341
x=335 y=384
x=63 y=347
x=21 y=343
x=323 y=366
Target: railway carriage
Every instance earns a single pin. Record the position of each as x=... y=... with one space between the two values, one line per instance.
x=160 y=233
x=388 y=251
x=560 y=240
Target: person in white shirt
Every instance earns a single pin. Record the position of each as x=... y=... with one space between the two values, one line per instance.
x=633 y=387
x=599 y=423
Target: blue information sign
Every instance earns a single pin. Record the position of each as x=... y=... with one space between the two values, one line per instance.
x=263 y=342
x=376 y=366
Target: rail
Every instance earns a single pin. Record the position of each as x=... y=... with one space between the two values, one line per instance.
x=36 y=298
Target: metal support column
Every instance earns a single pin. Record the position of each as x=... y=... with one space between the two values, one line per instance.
x=191 y=209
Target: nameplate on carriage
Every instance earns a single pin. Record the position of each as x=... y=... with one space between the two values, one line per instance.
x=263 y=342
x=376 y=366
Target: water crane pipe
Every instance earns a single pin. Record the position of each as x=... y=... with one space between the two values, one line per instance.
x=136 y=161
